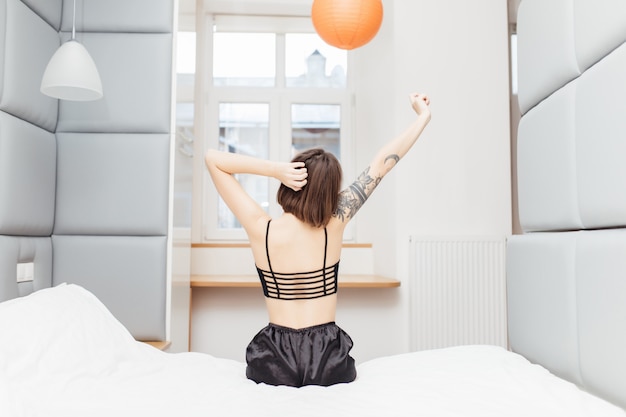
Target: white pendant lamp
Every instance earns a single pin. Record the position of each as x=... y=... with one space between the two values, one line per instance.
x=71 y=74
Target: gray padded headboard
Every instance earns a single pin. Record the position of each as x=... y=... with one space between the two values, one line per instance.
x=567 y=273
x=28 y=37
x=84 y=186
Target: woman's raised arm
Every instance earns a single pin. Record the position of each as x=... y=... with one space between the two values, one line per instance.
x=352 y=198
x=223 y=165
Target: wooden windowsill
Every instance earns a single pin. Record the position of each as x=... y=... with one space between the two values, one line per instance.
x=252 y=281
x=159 y=344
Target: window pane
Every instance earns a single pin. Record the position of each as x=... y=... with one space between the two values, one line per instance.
x=244 y=129
x=244 y=59
x=310 y=62
x=316 y=125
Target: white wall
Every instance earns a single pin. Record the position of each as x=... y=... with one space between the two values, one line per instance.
x=456 y=181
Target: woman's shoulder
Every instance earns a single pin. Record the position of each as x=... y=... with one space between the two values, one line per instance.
x=336 y=224
x=256 y=230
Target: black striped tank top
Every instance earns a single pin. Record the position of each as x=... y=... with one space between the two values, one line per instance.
x=298 y=285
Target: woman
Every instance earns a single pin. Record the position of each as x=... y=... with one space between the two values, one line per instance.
x=297 y=254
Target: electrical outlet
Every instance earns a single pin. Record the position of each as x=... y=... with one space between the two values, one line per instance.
x=25 y=271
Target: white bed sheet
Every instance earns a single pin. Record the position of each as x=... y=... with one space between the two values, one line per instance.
x=63 y=354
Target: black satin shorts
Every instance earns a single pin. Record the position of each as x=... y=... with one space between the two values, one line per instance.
x=317 y=355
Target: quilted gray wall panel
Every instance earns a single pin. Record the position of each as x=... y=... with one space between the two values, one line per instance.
x=27 y=178
x=541 y=292
x=601 y=142
x=48 y=10
x=28 y=43
x=99 y=180
x=566 y=306
x=601 y=288
x=136 y=71
x=566 y=290
x=548 y=41
x=599 y=27
x=562 y=39
x=14 y=250
x=27 y=147
x=546 y=152
x=147 y=16
x=127 y=273
x=113 y=176
x=112 y=184
x=571 y=153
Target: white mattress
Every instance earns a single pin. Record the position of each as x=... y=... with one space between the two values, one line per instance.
x=63 y=354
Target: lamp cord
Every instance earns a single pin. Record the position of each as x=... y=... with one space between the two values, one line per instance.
x=74 y=21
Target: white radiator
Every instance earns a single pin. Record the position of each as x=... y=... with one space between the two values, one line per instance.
x=458 y=291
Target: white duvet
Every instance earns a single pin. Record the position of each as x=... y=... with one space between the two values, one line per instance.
x=63 y=354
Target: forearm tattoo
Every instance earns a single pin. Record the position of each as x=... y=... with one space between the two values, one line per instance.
x=393 y=157
x=352 y=198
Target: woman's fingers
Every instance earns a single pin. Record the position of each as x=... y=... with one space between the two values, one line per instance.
x=297 y=185
x=296 y=176
x=300 y=172
x=419 y=96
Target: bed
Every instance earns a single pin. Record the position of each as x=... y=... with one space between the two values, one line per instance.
x=62 y=353
x=65 y=352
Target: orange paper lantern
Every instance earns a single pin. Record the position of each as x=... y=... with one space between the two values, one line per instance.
x=347 y=24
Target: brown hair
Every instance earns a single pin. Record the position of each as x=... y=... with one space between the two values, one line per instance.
x=317 y=201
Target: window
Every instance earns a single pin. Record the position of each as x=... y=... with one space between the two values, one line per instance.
x=244 y=59
x=316 y=125
x=274 y=88
x=244 y=129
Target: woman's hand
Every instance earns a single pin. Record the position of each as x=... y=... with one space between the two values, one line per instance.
x=291 y=174
x=420 y=103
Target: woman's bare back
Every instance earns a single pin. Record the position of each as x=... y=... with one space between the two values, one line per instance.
x=295 y=247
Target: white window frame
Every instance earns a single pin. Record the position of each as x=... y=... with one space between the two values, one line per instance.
x=280 y=98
